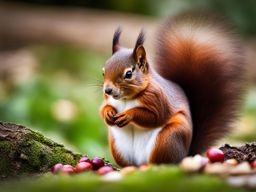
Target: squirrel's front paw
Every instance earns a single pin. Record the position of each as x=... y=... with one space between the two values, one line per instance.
x=109 y=116
x=122 y=119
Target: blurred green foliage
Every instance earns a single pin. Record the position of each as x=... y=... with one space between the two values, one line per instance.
x=241 y=13
x=65 y=74
x=246 y=129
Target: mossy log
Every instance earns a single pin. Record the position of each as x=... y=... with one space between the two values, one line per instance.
x=26 y=152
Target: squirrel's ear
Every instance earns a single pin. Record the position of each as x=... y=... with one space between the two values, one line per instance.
x=141 y=59
x=115 y=44
x=139 y=53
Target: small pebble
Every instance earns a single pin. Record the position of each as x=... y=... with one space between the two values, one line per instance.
x=251 y=181
x=112 y=176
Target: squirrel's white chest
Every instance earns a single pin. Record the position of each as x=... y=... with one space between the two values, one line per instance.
x=134 y=144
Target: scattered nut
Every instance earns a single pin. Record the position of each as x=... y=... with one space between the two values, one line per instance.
x=192 y=164
x=128 y=170
x=231 y=162
x=215 y=168
x=241 y=169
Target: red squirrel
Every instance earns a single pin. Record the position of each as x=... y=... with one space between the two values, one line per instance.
x=179 y=104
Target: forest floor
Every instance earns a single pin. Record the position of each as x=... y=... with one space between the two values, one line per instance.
x=156 y=178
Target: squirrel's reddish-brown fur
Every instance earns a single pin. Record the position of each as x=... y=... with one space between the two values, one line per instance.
x=180 y=105
x=205 y=59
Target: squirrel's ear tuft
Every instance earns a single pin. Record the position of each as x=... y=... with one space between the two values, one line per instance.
x=140 y=39
x=115 y=44
x=141 y=59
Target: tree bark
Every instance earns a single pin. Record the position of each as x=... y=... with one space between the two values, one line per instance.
x=26 y=152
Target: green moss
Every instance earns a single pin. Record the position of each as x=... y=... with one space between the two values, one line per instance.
x=5 y=146
x=62 y=155
x=34 y=154
x=57 y=151
x=5 y=153
x=33 y=135
x=41 y=153
x=30 y=152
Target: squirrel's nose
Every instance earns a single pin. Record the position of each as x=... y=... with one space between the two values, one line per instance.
x=108 y=90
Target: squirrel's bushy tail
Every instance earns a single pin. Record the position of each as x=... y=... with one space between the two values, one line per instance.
x=203 y=58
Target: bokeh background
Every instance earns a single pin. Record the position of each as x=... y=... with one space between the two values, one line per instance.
x=52 y=53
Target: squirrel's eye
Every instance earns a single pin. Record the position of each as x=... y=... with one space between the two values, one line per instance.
x=128 y=75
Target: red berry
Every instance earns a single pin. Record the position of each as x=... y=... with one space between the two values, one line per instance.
x=104 y=170
x=83 y=166
x=97 y=163
x=67 y=169
x=85 y=159
x=215 y=155
x=56 y=168
x=253 y=164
